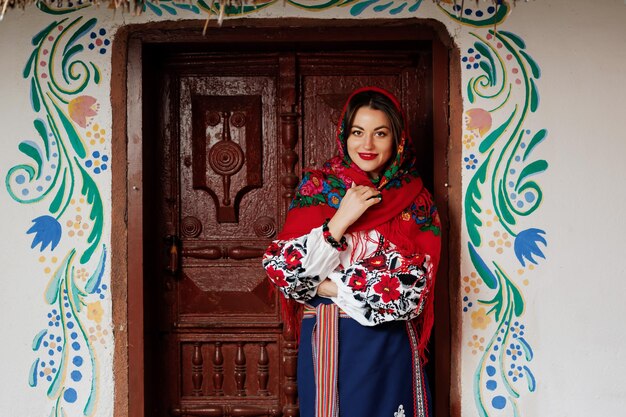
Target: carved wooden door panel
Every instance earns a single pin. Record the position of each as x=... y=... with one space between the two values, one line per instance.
x=213 y=330
x=231 y=136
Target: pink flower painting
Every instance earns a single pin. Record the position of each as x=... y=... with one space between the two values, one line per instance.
x=81 y=109
x=479 y=119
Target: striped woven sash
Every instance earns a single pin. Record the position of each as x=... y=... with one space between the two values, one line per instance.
x=311 y=313
x=325 y=342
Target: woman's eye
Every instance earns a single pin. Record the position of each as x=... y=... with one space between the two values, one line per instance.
x=381 y=134
x=356 y=133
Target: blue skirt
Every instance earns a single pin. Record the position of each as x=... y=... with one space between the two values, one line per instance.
x=378 y=370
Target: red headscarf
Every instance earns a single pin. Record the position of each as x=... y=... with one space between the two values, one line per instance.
x=406 y=216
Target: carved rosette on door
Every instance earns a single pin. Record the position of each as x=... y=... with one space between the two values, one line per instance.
x=223 y=343
x=222 y=127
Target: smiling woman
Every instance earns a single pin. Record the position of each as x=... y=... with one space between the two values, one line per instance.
x=360 y=283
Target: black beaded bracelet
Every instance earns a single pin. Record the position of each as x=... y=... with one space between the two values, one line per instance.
x=341 y=245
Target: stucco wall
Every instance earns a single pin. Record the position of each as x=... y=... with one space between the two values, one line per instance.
x=576 y=298
x=542 y=268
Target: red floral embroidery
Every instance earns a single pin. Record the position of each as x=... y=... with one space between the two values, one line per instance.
x=358 y=281
x=375 y=262
x=383 y=311
x=411 y=260
x=292 y=258
x=276 y=276
x=273 y=249
x=387 y=287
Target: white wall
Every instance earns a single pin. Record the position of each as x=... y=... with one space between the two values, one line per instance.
x=572 y=311
x=577 y=300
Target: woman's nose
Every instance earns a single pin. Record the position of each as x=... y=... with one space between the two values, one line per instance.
x=369 y=142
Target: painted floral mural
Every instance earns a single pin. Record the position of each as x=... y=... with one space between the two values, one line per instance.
x=66 y=166
x=501 y=94
x=58 y=176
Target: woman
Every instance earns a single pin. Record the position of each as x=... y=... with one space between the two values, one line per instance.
x=356 y=262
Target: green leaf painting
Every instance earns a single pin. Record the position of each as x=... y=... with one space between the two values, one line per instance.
x=503 y=91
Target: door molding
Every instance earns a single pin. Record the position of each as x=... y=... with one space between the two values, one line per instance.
x=127 y=180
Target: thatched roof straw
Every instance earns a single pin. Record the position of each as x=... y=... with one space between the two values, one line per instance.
x=218 y=5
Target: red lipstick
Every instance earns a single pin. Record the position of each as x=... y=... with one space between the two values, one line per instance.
x=368 y=156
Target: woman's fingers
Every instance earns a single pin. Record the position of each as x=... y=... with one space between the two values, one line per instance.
x=368 y=196
x=369 y=192
x=375 y=199
x=362 y=189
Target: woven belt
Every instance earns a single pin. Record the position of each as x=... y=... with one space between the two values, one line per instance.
x=325 y=341
x=311 y=312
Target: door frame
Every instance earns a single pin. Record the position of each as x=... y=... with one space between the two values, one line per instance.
x=127 y=181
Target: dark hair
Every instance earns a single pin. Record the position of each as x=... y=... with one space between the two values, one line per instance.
x=376 y=101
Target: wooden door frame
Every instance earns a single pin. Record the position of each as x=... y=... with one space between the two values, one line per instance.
x=127 y=181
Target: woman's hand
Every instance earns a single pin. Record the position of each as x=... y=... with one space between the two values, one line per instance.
x=327 y=288
x=357 y=200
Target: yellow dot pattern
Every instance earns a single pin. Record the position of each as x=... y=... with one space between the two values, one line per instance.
x=472 y=283
x=477 y=344
x=48 y=264
x=97 y=334
x=500 y=241
x=469 y=140
x=81 y=274
x=77 y=226
x=97 y=135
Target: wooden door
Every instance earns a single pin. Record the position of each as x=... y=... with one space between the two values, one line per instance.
x=227 y=136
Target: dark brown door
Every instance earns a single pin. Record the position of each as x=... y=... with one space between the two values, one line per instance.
x=228 y=134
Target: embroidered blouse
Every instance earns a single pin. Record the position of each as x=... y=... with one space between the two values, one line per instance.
x=379 y=284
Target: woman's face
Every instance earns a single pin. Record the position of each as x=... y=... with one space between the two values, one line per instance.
x=370 y=141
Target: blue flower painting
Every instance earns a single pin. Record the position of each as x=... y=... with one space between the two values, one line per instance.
x=47 y=231
x=526 y=245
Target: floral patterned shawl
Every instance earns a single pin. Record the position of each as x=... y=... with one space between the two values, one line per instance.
x=406 y=216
